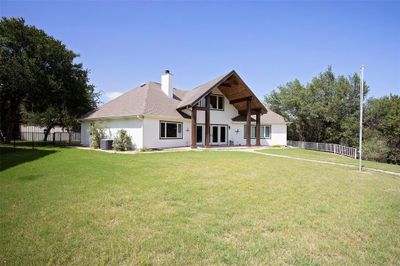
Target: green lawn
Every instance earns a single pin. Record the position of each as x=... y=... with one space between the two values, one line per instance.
x=330 y=157
x=71 y=206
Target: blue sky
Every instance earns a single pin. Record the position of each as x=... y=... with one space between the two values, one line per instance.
x=125 y=43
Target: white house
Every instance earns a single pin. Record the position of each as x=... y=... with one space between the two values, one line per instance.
x=223 y=111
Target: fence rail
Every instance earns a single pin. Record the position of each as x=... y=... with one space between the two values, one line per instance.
x=327 y=147
x=56 y=137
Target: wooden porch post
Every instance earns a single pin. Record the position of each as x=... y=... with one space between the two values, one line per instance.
x=194 y=127
x=207 y=118
x=258 y=129
x=248 y=123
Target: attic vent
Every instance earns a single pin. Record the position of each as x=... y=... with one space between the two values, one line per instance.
x=143 y=84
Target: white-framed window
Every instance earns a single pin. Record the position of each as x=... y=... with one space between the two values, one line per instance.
x=202 y=102
x=217 y=102
x=170 y=130
x=265 y=132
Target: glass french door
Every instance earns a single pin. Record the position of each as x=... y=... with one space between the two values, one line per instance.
x=219 y=135
x=200 y=130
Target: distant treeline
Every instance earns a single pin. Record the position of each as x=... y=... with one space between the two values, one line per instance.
x=327 y=110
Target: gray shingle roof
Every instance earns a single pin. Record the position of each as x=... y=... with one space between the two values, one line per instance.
x=272 y=118
x=147 y=99
x=241 y=118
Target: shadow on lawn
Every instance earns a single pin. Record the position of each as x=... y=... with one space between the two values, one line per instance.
x=10 y=158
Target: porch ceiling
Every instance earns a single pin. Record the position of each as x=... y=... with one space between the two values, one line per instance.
x=233 y=88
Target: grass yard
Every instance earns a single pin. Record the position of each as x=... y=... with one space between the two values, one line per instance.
x=72 y=206
x=330 y=157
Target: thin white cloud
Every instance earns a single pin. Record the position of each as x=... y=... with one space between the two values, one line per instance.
x=113 y=94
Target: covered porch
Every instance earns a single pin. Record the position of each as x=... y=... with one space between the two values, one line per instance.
x=238 y=94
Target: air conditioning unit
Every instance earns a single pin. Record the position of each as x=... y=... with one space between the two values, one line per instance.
x=106 y=144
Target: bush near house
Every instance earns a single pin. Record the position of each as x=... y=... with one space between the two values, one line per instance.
x=122 y=141
x=96 y=133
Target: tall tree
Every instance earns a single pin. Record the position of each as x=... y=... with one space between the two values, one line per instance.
x=382 y=120
x=325 y=110
x=38 y=77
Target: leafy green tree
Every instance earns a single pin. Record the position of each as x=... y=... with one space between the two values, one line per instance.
x=375 y=146
x=290 y=101
x=383 y=116
x=39 y=78
x=325 y=110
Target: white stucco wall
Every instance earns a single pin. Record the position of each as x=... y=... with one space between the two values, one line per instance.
x=278 y=134
x=133 y=126
x=151 y=137
x=146 y=132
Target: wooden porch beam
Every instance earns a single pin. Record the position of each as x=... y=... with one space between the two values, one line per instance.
x=248 y=123
x=258 y=129
x=240 y=100
x=253 y=112
x=207 y=122
x=194 y=127
x=227 y=85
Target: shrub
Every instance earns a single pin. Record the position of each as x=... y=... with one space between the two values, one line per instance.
x=375 y=147
x=122 y=141
x=96 y=133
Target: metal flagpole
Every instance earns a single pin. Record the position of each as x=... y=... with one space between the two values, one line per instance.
x=361 y=115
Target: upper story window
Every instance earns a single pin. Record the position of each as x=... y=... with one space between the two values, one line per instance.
x=216 y=102
x=170 y=130
x=202 y=102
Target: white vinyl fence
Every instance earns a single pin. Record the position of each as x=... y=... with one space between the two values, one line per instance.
x=56 y=137
x=327 y=147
